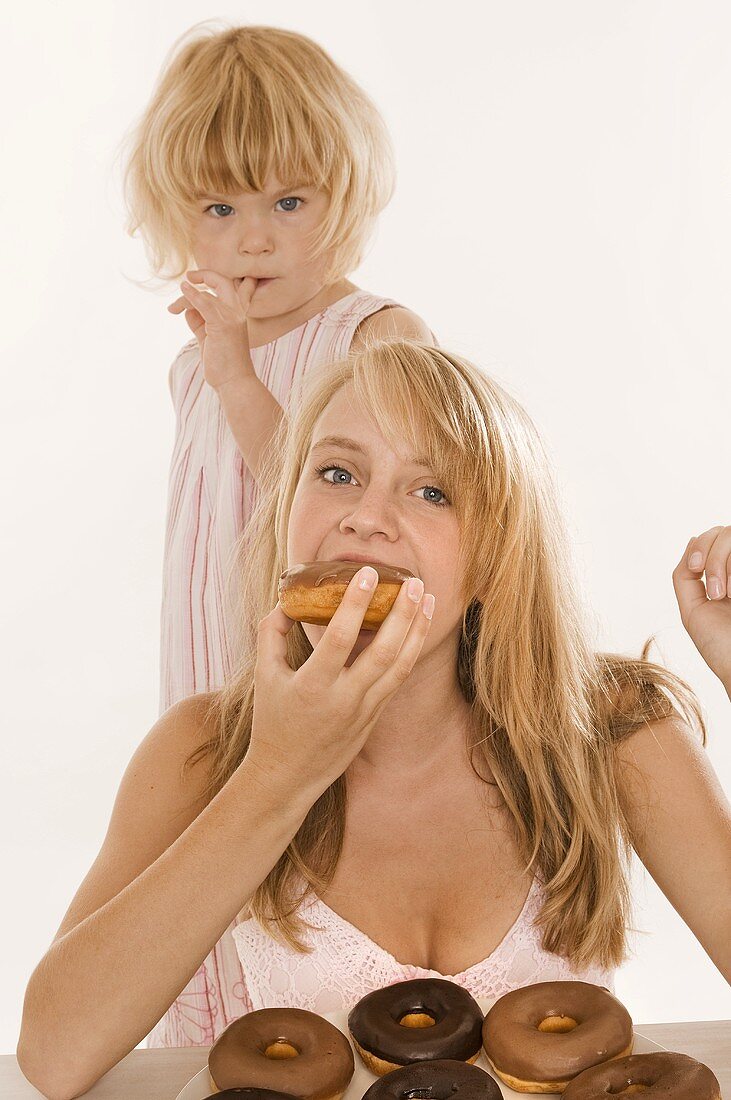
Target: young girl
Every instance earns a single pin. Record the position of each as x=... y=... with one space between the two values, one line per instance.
x=267 y=164
x=455 y=794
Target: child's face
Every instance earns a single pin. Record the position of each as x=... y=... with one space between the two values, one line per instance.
x=376 y=503
x=263 y=234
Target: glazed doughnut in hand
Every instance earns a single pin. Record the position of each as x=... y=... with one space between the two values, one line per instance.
x=285 y=1050
x=311 y=592
x=660 y=1074
x=539 y=1037
x=414 y=1021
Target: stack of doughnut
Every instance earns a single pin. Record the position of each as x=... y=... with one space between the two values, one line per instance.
x=312 y=591
x=420 y=1038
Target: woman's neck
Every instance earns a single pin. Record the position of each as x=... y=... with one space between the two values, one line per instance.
x=262 y=330
x=424 y=727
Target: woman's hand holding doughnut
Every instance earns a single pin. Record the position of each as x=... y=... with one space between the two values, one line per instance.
x=705 y=609
x=309 y=724
x=218 y=323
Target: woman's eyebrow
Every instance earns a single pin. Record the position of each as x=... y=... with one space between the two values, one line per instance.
x=353 y=445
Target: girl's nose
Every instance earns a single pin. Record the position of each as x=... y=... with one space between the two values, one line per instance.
x=254 y=238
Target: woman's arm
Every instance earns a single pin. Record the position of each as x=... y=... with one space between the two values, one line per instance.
x=705 y=606
x=171 y=876
x=680 y=821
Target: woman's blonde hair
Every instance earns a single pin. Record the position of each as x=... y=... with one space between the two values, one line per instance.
x=548 y=710
x=235 y=104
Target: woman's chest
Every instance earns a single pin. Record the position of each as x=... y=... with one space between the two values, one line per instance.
x=435 y=886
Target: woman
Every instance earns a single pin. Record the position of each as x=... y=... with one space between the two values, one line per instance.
x=430 y=792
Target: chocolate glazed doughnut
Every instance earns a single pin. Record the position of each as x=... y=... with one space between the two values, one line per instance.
x=662 y=1074
x=249 y=1094
x=285 y=1050
x=446 y=1079
x=537 y=1038
x=414 y=1021
x=311 y=592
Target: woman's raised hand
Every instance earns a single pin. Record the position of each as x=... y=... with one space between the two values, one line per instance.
x=705 y=608
x=309 y=724
x=218 y=323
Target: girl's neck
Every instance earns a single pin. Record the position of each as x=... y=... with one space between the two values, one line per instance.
x=262 y=330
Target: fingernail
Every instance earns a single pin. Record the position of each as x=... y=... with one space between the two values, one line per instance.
x=714 y=588
x=695 y=561
x=367 y=577
x=428 y=605
x=414 y=589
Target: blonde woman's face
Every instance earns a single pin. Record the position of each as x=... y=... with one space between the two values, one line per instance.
x=380 y=503
x=264 y=235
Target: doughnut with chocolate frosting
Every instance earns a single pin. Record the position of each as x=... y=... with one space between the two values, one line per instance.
x=312 y=591
x=288 y=1050
x=660 y=1074
x=249 y=1094
x=539 y=1037
x=444 y=1079
x=414 y=1021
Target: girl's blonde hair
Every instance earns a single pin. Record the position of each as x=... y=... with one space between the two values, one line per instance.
x=548 y=710
x=233 y=105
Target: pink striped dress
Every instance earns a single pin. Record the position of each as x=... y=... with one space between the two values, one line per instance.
x=211 y=496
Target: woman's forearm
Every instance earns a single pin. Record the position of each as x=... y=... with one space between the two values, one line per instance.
x=104 y=985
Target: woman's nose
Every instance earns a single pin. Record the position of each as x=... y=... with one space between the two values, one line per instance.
x=374 y=512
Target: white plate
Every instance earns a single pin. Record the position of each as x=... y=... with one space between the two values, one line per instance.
x=198 y=1088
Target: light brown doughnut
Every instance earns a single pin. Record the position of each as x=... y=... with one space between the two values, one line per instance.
x=311 y=592
x=539 y=1037
x=287 y=1050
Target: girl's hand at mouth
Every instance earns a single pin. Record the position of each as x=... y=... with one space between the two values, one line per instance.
x=218 y=322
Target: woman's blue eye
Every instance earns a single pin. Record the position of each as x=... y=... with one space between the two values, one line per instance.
x=320 y=470
x=290 y=209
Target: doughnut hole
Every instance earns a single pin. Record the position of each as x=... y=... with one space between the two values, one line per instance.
x=417 y=1019
x=280 y=1048
x=557 y=1023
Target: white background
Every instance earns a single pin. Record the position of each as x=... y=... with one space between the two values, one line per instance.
x=562 y=217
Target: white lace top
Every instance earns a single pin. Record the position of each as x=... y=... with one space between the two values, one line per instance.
x=345 y=964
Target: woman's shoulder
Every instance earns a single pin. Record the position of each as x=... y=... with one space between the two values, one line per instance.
x=188 y=725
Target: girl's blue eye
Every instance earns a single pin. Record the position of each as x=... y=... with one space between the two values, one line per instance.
x=320 y=470
x=225 y=206
x=219 y=204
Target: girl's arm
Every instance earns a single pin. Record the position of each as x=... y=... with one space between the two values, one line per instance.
x=680 y=821
x=171 y=876
x=253 y=416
